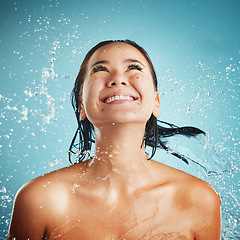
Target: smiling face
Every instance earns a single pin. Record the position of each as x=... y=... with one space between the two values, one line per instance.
x=118 y=86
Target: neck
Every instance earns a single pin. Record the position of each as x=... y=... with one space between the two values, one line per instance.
x=121 y=147
x=120 y=157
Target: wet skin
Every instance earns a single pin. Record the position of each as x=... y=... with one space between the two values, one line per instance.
x=71 y=203
x=118 y=194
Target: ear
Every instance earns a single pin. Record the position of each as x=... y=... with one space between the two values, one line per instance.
x=81 y=109
x=156 y=106
x=82 y=112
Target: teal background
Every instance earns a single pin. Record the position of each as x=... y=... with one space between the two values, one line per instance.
x=194 y=46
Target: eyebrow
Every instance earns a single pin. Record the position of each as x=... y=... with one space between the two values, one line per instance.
x=126 y=61
x=99 y=62
x=133 y=61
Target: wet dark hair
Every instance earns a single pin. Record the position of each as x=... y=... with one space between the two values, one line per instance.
x=155 y=132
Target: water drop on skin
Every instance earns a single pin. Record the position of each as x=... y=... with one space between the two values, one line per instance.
x=91 y=162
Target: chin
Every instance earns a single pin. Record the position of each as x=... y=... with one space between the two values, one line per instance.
x=120 y=120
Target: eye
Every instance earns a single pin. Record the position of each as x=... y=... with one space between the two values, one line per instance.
x=99 y=68
x=135 y=67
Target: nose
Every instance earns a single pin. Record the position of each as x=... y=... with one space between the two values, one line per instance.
x=117 y=79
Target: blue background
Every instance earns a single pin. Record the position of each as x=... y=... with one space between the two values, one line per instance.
x=194 y=46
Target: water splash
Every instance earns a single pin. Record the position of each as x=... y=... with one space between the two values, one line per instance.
x=226 y=93
x=56 y=161
x=48 y=74
x=199 y=151
x=3 y=190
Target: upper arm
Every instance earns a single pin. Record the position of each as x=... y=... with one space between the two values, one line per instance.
x=28 y=217
x=209 y=214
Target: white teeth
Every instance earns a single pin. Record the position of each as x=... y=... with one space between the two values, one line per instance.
x=117 y=97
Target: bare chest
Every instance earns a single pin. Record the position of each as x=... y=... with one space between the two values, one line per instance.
x=140 y=218
x=109 y=231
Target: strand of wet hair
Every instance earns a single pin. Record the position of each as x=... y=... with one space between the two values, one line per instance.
x=153 y=138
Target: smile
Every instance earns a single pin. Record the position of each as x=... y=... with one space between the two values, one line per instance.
x=117 y=98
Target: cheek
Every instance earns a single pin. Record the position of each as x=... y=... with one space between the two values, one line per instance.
x=89 y=98
x=89 y=90
x=91 y=95
x=144 y=84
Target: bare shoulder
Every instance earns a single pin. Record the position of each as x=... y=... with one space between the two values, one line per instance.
x=33 y=190
x=33 y=195
x=48 y=185
x=196 y=200
x=200 y=192
x=190 y=188
x=38 y=201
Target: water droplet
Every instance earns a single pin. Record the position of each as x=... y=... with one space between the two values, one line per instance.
x=3 y=190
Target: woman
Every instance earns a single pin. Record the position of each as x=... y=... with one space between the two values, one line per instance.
x=119 y=193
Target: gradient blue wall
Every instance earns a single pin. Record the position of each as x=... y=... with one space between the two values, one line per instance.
x=194 y=46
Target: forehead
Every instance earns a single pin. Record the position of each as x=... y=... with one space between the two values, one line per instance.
x=117 y=51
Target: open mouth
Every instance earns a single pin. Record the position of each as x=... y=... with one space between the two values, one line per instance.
x=118 y=98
